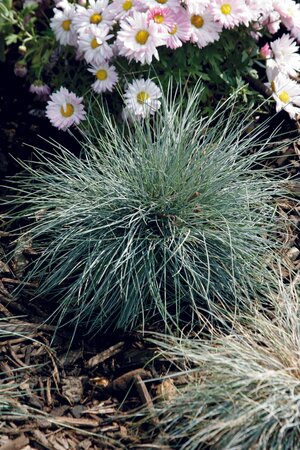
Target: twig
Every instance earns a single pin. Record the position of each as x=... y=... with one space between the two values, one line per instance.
x=100 y=357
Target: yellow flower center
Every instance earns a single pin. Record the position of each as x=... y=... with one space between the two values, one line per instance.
x=197 y=21
x=127 y=5
x=226 y=9
x=141 y=37
x=66 y=25
x=101 y=74
x=95 y=18
x=67 y=110
x=158 y=18
x=162 y=2
x=284 y=97
x=142 y=97
x=174 y=30
x=94 y=43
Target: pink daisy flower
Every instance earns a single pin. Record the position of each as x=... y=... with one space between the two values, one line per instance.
x=163 y=18
x=138 y=39
x=230 y=13
x=204 y=29
x=142 y=98
x=62 y=23
x=180 y=31
x=93 y=43
x=65 y=109
x=106 y=77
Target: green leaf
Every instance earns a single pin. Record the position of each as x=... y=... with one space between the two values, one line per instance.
x=11 y=39
x=7 y=3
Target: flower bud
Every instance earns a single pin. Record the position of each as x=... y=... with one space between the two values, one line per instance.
x=22 y=49
x=265 y=51
x=20 y=69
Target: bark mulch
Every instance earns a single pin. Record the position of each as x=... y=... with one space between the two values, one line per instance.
x=59 y=397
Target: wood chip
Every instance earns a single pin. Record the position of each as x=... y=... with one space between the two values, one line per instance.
x=72 y=389
x=124 y=381
x=16 y=444
x=100 y=357
x=145 y=397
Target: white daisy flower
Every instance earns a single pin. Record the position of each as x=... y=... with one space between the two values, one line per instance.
x=198 y=6
x=119 y=9
x=106 y=77
x=287 y=95
x=138 y=39
x=92 y=42
x=142 y=98
x=230 y=13
x=285 y=52
x=97 y=14
x=204 y=29
x=172 y=4
x=272 y=71
x=65 y=109
x=62 y=24
x=289 y=12
x=295 y=31
x=259 y=8
x=272 y=21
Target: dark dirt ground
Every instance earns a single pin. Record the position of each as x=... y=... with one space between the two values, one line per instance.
x=74 y=398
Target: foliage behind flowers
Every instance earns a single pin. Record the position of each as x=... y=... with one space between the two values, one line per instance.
x=156 y=218
x=102 y=45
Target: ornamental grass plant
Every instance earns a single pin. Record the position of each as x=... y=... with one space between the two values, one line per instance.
x=243 y=389
x=155 y=219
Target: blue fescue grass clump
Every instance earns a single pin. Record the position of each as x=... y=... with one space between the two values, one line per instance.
x=154 y=219
x=243 y=388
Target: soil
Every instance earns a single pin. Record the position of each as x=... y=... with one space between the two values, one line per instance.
x=79 y=397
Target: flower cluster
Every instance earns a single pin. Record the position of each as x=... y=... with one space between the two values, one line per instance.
x=103 y=31
x=283 y=66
